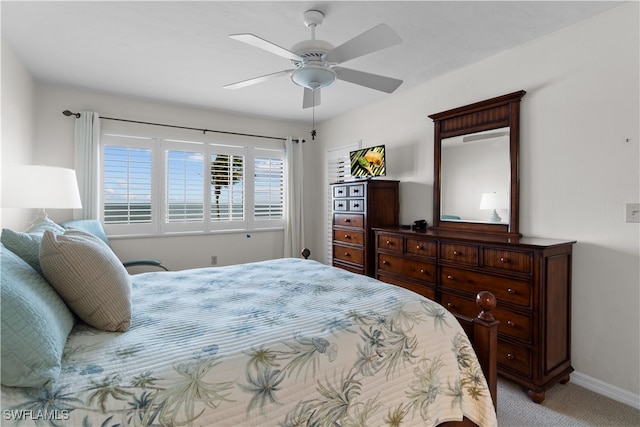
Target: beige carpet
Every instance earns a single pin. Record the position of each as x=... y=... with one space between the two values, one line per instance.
x=564 y=405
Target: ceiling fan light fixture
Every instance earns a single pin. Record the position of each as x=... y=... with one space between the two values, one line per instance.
x=313 y=76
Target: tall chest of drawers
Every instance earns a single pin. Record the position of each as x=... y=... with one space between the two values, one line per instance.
x=530 y=277
x=358 y=207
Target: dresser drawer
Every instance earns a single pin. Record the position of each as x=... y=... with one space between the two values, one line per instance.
x=341 y=205
x=348 y=254
x=356 y=190
x=424 y=290
x=349 y=236
x=516 y=261
x=348 y=220
x=516 y=325
x=415 y=269
x=389 y=242
x=464 y=254
x=504 y=289
x=514 y=357
x=340 y=191
x=421 y=247
x=356 y=205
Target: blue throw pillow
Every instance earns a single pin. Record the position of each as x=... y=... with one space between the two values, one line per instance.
x=35 y=325
x=27 y=245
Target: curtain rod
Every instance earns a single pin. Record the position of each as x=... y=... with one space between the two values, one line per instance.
x=204 y=131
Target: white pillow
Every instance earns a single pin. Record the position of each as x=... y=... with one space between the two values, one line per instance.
x=89 y=277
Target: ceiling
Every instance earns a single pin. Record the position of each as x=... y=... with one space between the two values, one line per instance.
x=180 y=52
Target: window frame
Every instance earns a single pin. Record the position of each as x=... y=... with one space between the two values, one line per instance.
x=206 y=144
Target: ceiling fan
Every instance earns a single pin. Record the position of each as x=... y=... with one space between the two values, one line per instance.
x=315 y=62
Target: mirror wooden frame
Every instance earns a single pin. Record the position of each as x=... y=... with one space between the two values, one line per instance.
x=493 y=113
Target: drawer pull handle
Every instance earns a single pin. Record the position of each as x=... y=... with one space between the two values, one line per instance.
x=340 y=191
x=418 y=247
x=503 y=259
x=356 y=191
x=388 y=242
x=510 y=356
x=346 y=236
x=511 y=323
x=340 y=205
x=356 y=205
x=347 y=254
x=423 y=271
x=347 y=220
x=384 y=261
x=450 y=305
x=456 y=253
x=450 y=277
x=511 y=291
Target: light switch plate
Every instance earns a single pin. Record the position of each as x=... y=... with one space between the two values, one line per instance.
x=632 y=212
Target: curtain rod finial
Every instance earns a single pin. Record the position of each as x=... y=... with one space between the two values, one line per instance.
x=69 y=113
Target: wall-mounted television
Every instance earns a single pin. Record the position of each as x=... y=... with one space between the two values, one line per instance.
x=368 y=162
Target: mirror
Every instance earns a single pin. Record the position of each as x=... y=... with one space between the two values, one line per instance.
x=475 y=177
x=476 y=187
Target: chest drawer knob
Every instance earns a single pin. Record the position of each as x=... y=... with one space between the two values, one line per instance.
x=346 y=236
x=347 y=220
x=510 y=356
x=511 y=291
x=340 y=205
x=418 y=247
x=356 y=205
x=423 y=271
x=385 y=262
x=511 y=323
x=451 y=305
x=503 y=259
x=450 y=277
x=347 y=254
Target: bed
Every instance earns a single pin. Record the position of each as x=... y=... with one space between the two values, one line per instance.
x=285 y=342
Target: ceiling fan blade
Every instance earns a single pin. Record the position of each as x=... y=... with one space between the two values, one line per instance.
x=311 y=98
x=377 y=38
x=261 y=43
x=260 y=79
x=373 y=81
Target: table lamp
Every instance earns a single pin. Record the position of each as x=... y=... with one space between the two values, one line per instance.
x=40 y=187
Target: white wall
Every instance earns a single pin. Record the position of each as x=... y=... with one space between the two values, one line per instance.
x=17 y=125
x=577 y=169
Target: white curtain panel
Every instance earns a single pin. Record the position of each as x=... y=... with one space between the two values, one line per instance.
x=294 y=223
x=87 y=159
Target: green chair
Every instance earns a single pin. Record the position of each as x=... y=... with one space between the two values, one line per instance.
x=94 y=227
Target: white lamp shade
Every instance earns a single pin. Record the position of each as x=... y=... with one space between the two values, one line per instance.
x=492 y=201
x=40 y=187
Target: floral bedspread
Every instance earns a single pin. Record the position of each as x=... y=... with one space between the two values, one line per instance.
x=287 y=342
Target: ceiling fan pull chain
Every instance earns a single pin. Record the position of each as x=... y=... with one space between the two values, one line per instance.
x=313 y=115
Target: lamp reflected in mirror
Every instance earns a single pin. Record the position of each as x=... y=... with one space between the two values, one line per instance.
x=493 y=202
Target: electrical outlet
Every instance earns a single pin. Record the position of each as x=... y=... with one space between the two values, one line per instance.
x=214 y=259
x=632 y=212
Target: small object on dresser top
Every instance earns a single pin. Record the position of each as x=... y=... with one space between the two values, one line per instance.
x=405 y=227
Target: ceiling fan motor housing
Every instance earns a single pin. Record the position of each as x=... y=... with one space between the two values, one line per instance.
x=313 y=72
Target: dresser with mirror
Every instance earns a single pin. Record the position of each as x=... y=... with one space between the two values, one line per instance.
x=474 y=244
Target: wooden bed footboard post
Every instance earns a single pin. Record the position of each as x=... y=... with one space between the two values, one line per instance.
x=485 y=341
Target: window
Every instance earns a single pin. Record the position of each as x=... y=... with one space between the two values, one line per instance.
x=160 y=186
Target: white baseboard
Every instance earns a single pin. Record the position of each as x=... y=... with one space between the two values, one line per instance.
x=608 y=390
